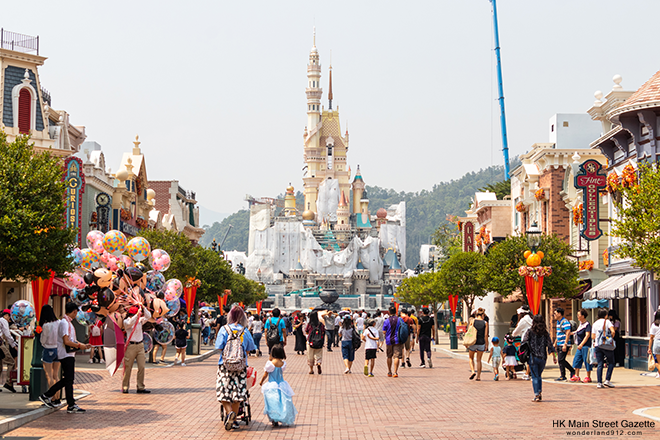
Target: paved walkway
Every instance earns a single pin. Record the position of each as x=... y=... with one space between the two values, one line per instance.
x=433 y=403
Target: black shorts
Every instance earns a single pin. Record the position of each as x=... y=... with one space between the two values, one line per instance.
x=370 y=354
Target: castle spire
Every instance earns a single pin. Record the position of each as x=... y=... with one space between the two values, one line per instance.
x=330 y=90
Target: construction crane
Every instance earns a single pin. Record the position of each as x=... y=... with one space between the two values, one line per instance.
x=500 y=87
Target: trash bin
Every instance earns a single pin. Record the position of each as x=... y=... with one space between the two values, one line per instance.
x=195 y=341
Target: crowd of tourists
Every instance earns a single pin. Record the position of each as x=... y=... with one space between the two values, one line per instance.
x=528 y=346
x=315 y=332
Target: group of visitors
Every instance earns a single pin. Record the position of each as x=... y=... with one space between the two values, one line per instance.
x=594 y=344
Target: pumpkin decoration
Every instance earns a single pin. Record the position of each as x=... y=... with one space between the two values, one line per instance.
x=534 y=260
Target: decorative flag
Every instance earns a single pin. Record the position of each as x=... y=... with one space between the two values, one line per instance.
x=189 y=296
x=534 y=287
x=396 y=304
x=41 y=288
x=453 y=305
x=259 y=304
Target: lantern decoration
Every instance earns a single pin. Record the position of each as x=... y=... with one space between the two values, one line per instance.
x=41 y=288
x=453 y=305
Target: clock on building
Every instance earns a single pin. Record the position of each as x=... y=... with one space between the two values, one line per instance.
x=102 y=199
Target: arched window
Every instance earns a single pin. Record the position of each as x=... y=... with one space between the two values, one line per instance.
x=24 y=111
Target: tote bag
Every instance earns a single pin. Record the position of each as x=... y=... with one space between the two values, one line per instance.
x=470 y=337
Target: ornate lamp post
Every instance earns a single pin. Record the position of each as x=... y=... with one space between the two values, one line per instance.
x=534 y=272
x=453 y=337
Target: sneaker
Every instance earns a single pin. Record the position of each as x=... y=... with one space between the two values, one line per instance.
x=403 y=365
x=497 y=377
x=10 y=387
x=91 y=361
x=430 y=363
x=229 y=420
x=395 y=375
x=366 y=370
x=46 y=401
x=183 y=365
x=560 y=379
x=525 y=376
x=103 y=361
x=318 y=368
x=408 y=362
x=389 y=374
x=57 y=403
x=75 y=409
x=600 y=385
x=346 y=371
x=422 y=366
x=370 y=375
x=608 y=384
x=143 y=391
x=586 y=380
x=575 y=379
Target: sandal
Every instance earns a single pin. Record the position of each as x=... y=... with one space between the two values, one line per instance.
x=473 y=375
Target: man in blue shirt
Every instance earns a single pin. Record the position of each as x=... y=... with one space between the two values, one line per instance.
x=275 y=321
x=394 y=346
x=563 y=343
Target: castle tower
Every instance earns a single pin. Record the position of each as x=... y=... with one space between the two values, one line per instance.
x=325 y=146
x=358 y=190
x=289 y=202
x=343 y=214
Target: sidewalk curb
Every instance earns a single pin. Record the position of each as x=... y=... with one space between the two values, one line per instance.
x=641 y=411
x=198 y=358
x=11 y=423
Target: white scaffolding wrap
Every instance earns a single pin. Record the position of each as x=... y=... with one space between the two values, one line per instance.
x=290 y=242
x=259 y=221
x=328 y=200
x=393 y=235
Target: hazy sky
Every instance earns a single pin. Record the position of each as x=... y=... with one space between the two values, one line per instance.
x=216 y=89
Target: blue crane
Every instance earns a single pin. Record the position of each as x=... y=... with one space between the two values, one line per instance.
x=500 y=87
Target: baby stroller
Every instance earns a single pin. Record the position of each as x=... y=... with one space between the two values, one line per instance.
x=244 y=412
x=516 y=341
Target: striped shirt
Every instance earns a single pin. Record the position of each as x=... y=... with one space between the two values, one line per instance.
x=563 y=326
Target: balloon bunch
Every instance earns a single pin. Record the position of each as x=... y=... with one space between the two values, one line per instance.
x=111 y=277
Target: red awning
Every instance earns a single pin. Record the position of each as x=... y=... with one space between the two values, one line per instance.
x=59 y=288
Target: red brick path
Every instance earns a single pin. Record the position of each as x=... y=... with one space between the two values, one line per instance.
x=420 y=404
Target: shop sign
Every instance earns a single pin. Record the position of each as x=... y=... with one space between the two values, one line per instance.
x=128 y=228
x=591 y=181
x=75 y=187
x=468 y=237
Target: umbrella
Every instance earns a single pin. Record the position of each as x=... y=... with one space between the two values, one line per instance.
x=344 y=312
x=306 y=311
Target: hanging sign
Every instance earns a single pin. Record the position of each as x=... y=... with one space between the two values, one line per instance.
x=468 y=237
x=75 y=187
x=591 y=181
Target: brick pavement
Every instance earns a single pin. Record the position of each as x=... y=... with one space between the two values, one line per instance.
x=433 y=403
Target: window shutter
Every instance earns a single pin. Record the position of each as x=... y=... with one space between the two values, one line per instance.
x=24 y=111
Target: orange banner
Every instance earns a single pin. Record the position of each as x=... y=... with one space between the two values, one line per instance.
x=41 y=288
x=534 y=287
x=189 y=294
x=259 y=304
x=453 y=304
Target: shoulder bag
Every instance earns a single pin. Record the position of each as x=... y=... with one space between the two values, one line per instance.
x=470 y=337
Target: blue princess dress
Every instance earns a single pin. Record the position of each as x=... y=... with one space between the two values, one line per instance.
x=278 y=405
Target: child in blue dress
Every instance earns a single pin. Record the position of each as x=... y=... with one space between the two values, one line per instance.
x=278 y=404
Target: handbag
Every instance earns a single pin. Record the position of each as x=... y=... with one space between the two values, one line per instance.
x=470 y=337
x=652 y=363
x=606 y=340
x=592 y=356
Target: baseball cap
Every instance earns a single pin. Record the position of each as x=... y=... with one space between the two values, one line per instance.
x=6 y=311
x=496 y=339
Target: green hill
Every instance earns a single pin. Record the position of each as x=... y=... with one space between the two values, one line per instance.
x=425 y=210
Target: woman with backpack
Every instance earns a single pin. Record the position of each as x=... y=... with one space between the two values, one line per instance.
x=603 y=341
x=315 y=331
x=347 y=350
x=96 y=341
x=234 y=343
x=540 y=344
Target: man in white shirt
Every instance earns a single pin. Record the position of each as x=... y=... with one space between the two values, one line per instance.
x=524 y=324
x=12 y=346
x=66 y=341
x=135 y=347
